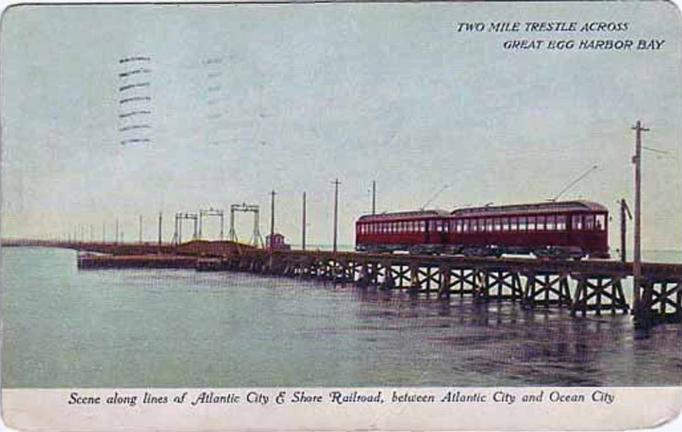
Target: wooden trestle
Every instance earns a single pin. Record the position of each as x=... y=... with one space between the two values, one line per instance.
x=582 y=287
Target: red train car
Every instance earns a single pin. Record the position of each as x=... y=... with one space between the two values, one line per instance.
x=568 y=229
x=421 y=231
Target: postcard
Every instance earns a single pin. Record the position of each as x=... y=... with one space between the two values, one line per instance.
x=427 y=216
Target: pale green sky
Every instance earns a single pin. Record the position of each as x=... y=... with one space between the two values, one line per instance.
x=307 y=93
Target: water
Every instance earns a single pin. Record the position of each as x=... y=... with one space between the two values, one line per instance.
x=180 y=328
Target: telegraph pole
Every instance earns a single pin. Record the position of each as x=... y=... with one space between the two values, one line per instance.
x=637 y=257
x=272 y=217
x=160 y=227
x=623 y=231
x=374 y=196
x=336 y=184
x=140 y=230
x=303 y=228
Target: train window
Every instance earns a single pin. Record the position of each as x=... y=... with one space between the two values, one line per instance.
x=531 y=223
x=600 y=222
x=589 y=222
x=497 y=224
x=540 y=223
x=523 y=223
x=513 y=224
x=577 y=222
x=550 y=224
x=505 y=224
x=561 y=223
x=473 y=225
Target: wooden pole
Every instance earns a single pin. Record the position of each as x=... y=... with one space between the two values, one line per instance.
x=272 y=217
x=303 y=223
x=336 y=184
x=160 y=228
x=374 y=196
x=623 y=231
x=637 y=258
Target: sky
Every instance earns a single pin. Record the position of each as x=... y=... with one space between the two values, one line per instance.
x=245 y=99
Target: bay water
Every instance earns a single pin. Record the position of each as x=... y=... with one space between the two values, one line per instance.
x=180 y=328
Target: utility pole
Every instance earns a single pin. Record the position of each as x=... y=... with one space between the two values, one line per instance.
x=303 y=223
x=336 y=184
x=140 y=231
x=637 y=257
x=160 y=227
x=116 y=230
x=624 y=212
x=104 y=232
x=374 y=196
x=272 y=218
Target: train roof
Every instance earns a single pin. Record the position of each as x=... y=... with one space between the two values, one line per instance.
x=545 y=207
x=415 y=214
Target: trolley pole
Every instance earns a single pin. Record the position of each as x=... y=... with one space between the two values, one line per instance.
x=374 y=196
x=303 y=223
x=272 y=218
x=336 y=184
x=637 y=257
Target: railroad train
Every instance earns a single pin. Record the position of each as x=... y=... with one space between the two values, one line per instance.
x=565 y=229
